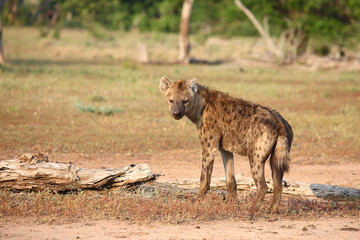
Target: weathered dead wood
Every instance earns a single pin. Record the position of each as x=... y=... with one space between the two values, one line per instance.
x=334 y=192
x=289 y=187
x=30 y=172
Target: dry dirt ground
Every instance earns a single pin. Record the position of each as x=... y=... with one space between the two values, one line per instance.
x=227 y=229
x=171 y=166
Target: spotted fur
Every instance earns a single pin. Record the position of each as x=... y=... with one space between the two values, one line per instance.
x=233 y=125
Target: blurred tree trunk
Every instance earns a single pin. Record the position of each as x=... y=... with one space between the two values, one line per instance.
x=2 y=60
x=143 y=56
x=55 y=15
x=14 y=6
x=184 y=45
x=43 y=6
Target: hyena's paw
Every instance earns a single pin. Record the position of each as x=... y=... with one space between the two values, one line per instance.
x=232 y=199
x=274 y=208
x=200 y=197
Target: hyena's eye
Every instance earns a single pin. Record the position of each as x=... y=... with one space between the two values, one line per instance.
x=185 y=101
x=171 y=101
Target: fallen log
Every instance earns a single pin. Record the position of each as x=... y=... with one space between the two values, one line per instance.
x=334 y=192
x=34 y=172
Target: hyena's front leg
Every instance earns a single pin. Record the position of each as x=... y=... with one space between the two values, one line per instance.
x=208 y=155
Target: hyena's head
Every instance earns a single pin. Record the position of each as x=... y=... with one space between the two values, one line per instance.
x=179 y=95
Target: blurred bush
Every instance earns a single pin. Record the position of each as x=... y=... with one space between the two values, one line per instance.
x=333 y=21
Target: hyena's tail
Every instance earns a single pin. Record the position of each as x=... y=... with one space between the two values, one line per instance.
x=280 y=158
x=279 y=163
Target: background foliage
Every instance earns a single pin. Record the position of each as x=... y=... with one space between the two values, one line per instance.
x=333 y=21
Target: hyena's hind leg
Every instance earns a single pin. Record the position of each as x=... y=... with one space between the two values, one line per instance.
x=258 y=154
x=258 y=174
x=228 y=160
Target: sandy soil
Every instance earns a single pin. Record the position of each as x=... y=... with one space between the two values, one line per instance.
x=171 y=166
x=319 y=229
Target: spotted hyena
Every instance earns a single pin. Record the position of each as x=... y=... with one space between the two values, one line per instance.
x=233 y=125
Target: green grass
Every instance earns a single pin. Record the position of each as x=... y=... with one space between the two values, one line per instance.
x=101 y=110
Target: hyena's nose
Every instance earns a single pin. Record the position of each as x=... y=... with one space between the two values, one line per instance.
x=177 y=114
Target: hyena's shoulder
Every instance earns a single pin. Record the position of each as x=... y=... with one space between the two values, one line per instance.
x=225 y=104
x=225 y=111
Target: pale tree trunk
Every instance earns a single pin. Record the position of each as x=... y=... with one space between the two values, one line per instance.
x=184 y=45
x=13 y=11
x=2 y=60
x=265 y=35
x=55 y=15
x=143 y=56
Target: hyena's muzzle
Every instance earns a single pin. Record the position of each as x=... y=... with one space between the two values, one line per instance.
x=177 y=110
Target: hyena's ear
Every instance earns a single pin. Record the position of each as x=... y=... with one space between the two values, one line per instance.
x=165 y=84
x=192 y=84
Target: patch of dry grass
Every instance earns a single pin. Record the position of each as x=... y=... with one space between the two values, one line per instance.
x=48 y=77
x=47 y=207
x=38 y=99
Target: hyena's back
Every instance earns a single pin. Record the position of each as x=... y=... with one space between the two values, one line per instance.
x=245 y=127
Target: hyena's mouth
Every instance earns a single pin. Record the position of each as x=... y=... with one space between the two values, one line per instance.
x=177 y=116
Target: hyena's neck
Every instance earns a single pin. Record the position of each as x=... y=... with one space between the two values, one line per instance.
x=195 y=113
